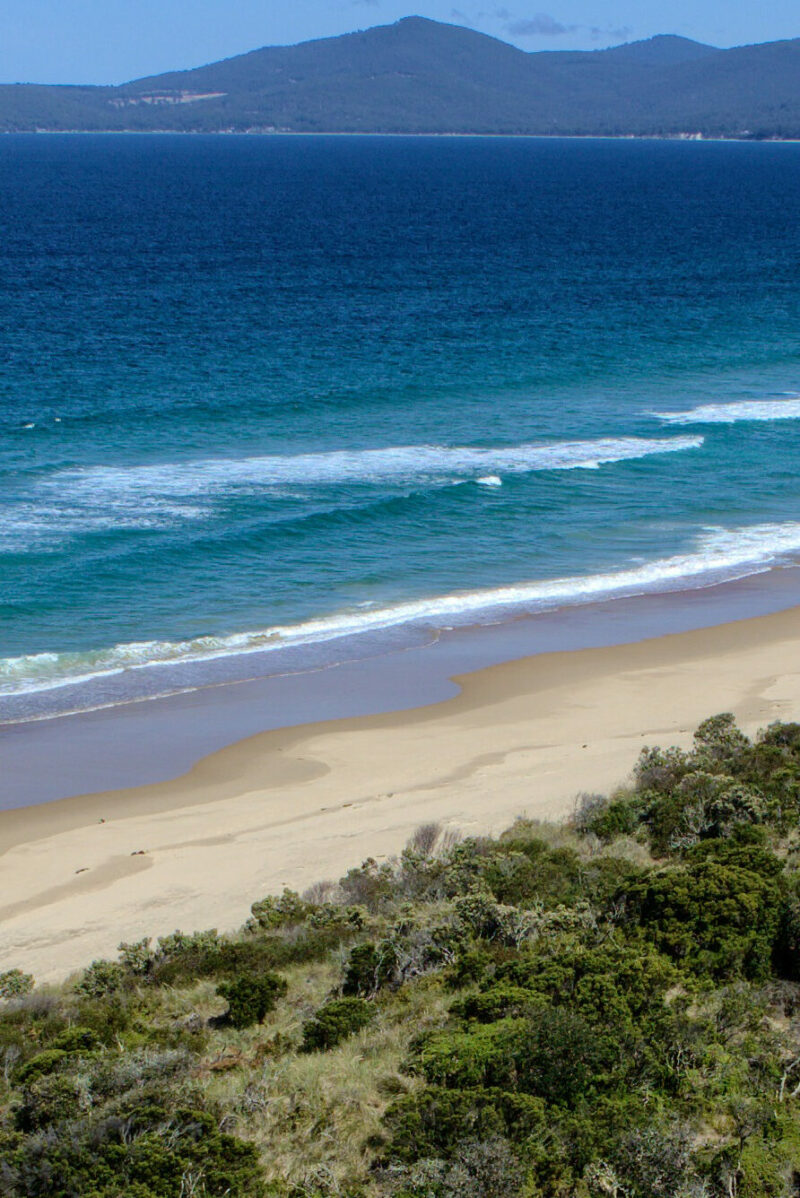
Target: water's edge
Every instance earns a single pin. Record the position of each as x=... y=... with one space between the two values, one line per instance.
x=156 y=740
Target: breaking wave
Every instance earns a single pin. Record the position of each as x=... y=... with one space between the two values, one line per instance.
x=732 y=413
x=399 y=464
x=717 y=555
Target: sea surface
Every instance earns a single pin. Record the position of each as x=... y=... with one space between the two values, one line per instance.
x=268 y=403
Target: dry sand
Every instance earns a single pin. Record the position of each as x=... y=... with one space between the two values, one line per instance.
x=297 y=806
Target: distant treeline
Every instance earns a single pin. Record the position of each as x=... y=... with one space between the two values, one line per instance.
x=420 y=76
x=606 y=1008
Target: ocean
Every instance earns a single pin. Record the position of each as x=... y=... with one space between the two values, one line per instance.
x=270 y=403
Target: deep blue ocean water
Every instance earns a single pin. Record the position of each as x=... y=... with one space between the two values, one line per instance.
x=268 y=401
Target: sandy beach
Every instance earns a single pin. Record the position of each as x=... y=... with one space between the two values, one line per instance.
x=289 y=808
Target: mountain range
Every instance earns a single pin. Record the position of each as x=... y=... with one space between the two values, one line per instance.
x=422 y=76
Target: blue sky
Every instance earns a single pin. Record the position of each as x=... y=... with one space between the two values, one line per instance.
x=109 y=41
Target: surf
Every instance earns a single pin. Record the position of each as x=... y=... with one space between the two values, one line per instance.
x=733 y=413
x=717 y=555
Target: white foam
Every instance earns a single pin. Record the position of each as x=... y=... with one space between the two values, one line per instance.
x=489 y=480
x=95 y=499
x=45 y=526
x=718 y=554
x=732 y=413
x=397 y=464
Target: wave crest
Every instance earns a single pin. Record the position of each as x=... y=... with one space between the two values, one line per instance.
x=398 y=464
x=732 y=413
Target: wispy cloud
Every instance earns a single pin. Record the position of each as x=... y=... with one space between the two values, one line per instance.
x=543 y=24
x=540 y=25
x=622 y=32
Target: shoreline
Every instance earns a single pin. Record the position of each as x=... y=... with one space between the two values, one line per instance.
x=269 y=132
x=98 y=749
x=297 y=805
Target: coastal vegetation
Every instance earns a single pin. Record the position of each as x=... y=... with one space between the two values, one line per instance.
x=605 y=1008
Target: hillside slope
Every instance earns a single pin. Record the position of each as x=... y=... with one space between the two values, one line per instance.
x=421 y=76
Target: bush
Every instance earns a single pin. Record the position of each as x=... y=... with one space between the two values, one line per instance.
x=713 y=918
x=434 y=1121
x=487 y=1168
x=146 y=1150
x=14 y=983
x=250 y=997
x=40 y=1064
x=76 y=1039
x=332 y=916
x=719 y=740
x=606 y=818
x=369 y=967
x=136 y=957
x=334 y=1022
x=485 y=919
x=498 y=1002
x=279 y=911
x=101 y=978
x=485 y=1055
x=471 y=964
x=48 y=1099
x=371 y=886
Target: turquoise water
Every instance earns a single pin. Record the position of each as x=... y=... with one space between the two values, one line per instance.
x=269 y=402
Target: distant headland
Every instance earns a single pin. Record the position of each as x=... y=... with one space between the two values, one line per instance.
x=422 y=76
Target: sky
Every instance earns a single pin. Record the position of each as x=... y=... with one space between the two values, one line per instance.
x=111 y=41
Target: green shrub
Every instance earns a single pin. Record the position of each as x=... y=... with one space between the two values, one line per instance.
x=250 y=997
x=76 y=1039
x=371 y=885
x=136 y=957
x=48 y=1099
x=498 y=1002
x=40 y=1064
x=485 y=1055
x=719 y=740
x=101 y=978
x=434 y=1121
x=145 y=1151
x=660 y=770
x=330 y=915
x=713 y=918
x=334 y=1022
x=279 y=911
x=14 y=983
x=471 y=964
x=485 y=919
x=610 y=818
x=525 y=869
x=369 y=968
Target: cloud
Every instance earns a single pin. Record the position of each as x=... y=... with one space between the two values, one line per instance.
x=623 y=32
x=541 y=25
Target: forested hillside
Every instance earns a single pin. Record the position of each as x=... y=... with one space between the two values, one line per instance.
x=421 y=76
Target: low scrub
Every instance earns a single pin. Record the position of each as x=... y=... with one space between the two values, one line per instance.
x=606 y=1008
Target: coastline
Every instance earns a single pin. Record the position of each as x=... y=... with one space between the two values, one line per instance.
x=269 y=132
x=297 y=805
